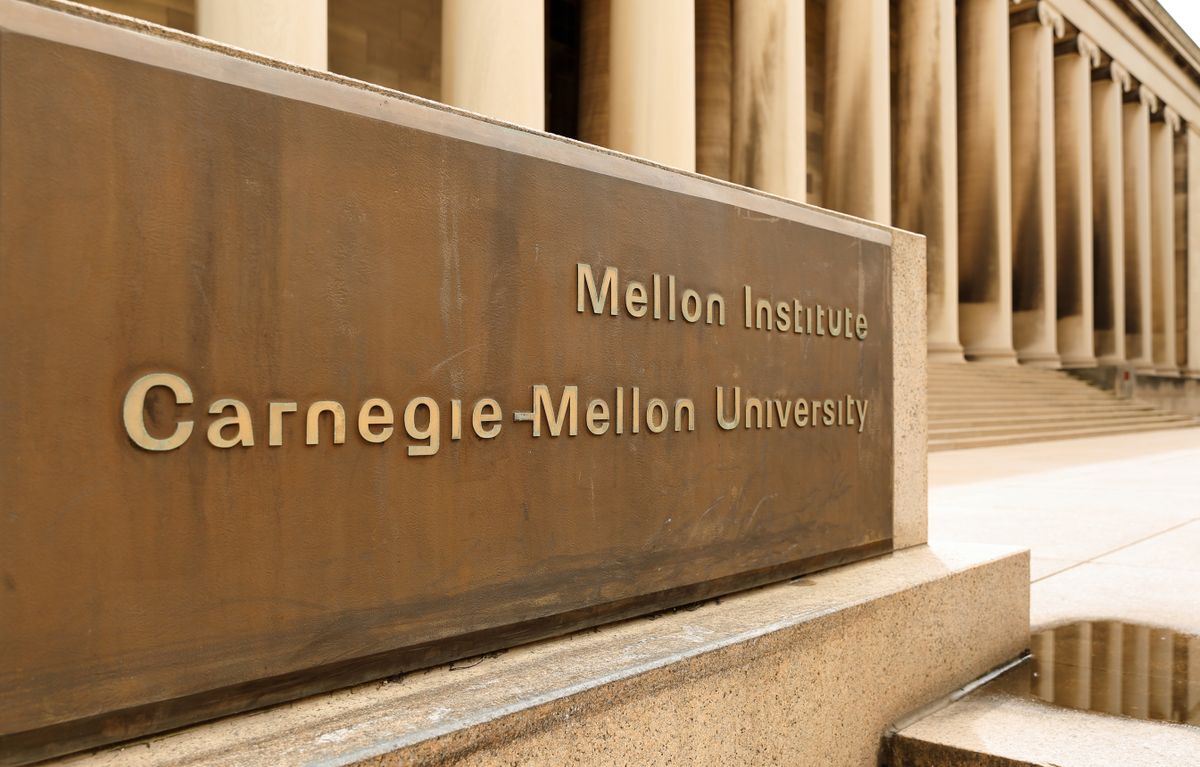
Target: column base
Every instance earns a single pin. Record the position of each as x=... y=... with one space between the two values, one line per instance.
x=1040 y=360
x=1167 y=372
x=991 y=356
x=1079 y=362
x=945 y=352
x=1109 y=347
x=1190 y=373
x=1142 y=366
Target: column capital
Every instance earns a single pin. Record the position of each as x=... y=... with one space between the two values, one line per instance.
x=1148 y=97
x=1117 y=73
x=1171 y=118
x=1121 y=76
x=1088 y=49
x=1048 y=16
x=1081 y=45
x=1041 y=12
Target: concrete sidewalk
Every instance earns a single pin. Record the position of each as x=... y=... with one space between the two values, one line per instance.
x=1113 y=523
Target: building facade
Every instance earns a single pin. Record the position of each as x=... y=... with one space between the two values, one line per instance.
x=1049 y=152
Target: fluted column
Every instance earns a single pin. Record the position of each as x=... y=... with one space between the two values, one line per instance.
x=927 y=159
x=1073 y=652
x=1162 y=240
x=595 y=47
x=1073 y=188
x=493 y=59
x=1109 y=693
x=1191 y=698
x=1138 y=248
x=1035 y=315
x=1108 y=211
x=1135 y=693
x=1193 y=252
x=652 y=80
x=769 y=97
x=858 y=162
x=984 y=182
x=292 y=30
x=1162 y=673
x=1043 y=652
x=714 y=87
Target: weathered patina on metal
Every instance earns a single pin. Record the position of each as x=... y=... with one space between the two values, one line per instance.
x=269 y=236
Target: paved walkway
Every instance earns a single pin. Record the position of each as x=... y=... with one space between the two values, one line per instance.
x=1112 y=523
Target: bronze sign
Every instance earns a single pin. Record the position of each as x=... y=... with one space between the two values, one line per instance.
x=305 y=385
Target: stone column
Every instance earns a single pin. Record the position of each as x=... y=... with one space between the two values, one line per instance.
x=1191 y=700
x=858 y=140
x=769 y=97
x=595 y=24
x=1138 y=247
x=1073 y=190
x=1035 y=314
x=296 y=31
x=1109 y=693
x=1135 y=693
x=1043 y=652
x=714 y=87
x=1109 y=86
x=493 y=59
x=1193 y=252
x=984 y=182
x=652 y=80
x=927 y=158
x=1162 y=239
x=1162 y=672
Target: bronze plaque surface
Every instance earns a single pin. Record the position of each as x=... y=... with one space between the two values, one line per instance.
x=201 y=277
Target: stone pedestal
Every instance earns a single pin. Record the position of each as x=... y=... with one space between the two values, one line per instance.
x=985 y=182
x=292 y=30
x=493 y=59
x=808 y=673
x=858 y=161
x=1138 y=244
x=1162 y=240
x=1108 y=212
x=1073 y=193
x=927 y=158
x=1033 y=158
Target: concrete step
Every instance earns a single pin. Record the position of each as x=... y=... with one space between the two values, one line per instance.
x=984 y=420
x=960 y=442
x=1011 y=392
x=1001 y=383
x=999 y=374
x=972 y=405
x=1001 y=392
x=1034 y=428
x=1031 y=408
x=1066 y=710
x=1024 y=396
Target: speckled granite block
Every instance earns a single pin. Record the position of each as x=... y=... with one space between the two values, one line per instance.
x=911 y=515
x=803 y=673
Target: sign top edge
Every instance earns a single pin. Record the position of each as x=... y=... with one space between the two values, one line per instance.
x=126 y=37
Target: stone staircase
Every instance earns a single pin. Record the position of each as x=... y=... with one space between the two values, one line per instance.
x=973 y=405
